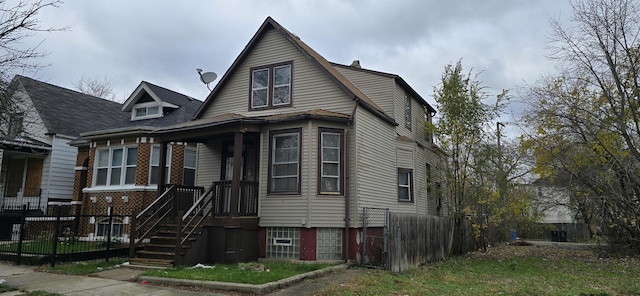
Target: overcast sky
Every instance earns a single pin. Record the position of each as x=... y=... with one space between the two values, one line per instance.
x=163 y=42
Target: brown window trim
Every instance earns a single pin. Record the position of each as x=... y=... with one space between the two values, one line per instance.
x=410 y=172
x=270 y=88
x=341 y=171
x=273 y=133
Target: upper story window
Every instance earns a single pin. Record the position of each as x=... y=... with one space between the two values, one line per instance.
x=115 y=166
x=155 y=165
x=405 y=184
x=146 y=110
x=407 y=111
x=284 y=161
x=270 y=86
x=330 y=169
x=427 y=127
x=16 y=124
x=189 y=168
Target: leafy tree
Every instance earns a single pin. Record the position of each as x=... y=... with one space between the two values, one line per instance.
x=586 y=120
x=478 y=175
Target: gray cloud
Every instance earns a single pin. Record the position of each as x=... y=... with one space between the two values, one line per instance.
x=163 y=42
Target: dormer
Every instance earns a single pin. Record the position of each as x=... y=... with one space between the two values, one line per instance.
x=144 y=103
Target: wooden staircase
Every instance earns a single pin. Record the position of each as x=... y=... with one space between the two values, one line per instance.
x=163 y=233
x=160 y=251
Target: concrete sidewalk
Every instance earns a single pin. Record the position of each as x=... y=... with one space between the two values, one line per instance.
x=26 y=278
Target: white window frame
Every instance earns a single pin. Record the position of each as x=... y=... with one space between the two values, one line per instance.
x=188 y=150
x=408 y=186
x=110 y=167
x=267 y=87
x=146 y=106
x=323 y=175
x=105 y=223
x=272 y=155
x=288 y=102
x=151 y=165
x=271 y=86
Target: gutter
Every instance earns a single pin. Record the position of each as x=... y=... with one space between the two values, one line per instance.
x=347 y=200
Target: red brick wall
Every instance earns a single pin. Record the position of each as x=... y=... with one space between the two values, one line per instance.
x=308 y=241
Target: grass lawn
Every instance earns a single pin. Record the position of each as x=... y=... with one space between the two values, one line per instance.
x=7 y=288
x=85 y=267
x=46 y=247
x=511 y=275
x=239 y=273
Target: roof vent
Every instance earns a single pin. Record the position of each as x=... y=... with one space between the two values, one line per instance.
x=355 y=64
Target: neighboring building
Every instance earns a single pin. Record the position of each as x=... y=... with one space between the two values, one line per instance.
x=293 y=147
x=36 y=160
x=552 y=202
x=119 y=165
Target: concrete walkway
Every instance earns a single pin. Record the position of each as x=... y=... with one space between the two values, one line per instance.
x=126 y=281
x=27 y=279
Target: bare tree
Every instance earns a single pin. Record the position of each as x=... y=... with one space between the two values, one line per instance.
x=587 y=119
x=101 y=88
x=18 y=21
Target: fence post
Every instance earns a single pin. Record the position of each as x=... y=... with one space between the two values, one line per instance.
x=110 y=213
x=364 y=235
x=385 y=235
x=176 y=260
x=399 y=248
x=23 y=218
x=56 y=233
x=132 y=234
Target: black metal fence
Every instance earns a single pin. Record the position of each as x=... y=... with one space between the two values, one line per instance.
x=61 y=234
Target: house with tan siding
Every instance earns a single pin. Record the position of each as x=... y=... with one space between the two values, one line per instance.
x=291 y=148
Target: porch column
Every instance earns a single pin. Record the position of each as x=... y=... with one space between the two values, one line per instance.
x=162 y=164
x=235 y=181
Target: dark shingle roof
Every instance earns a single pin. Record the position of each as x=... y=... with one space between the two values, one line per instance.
x=69 y=112
x=188 y=107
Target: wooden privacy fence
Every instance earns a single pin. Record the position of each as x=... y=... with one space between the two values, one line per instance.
x=415 y=240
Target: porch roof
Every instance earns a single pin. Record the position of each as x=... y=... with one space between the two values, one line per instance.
x=24 y=144
x=198 y=129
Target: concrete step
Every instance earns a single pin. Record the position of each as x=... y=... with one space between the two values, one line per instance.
x=150 y=262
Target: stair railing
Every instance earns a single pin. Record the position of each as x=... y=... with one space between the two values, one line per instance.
x=145 y=223
x=191 y=220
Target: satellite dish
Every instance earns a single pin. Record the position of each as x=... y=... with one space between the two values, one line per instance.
x=207 y=77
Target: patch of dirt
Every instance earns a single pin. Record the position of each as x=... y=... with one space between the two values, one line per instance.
x=548 y=252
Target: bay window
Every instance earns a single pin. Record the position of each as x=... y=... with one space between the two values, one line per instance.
x=284 y=161
x=330 y=160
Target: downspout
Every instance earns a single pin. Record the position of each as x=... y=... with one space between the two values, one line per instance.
x=347 y=200
x=307 y=223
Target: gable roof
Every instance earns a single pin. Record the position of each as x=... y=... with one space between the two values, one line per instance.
x=325 y=67
x=68 y=112
x=182 y=108
x=397 y=78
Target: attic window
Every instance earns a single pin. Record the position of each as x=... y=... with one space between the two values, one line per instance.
x=270 y=86
x=145 y=111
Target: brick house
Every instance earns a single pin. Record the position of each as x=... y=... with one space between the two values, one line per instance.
x=118 y=167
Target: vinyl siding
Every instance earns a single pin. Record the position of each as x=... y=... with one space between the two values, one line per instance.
x=378 y=88
x=376 y=169
x=58 y=182
x=417 y=131
x=209 y=163
x=284 y=210
x=311 y=88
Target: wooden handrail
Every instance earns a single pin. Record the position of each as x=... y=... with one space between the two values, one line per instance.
x=155 y=213
x=198 y=209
